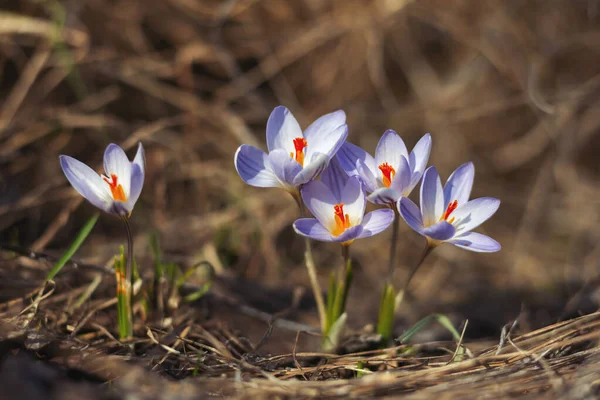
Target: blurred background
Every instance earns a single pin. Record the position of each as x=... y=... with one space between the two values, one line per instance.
x=513 y=86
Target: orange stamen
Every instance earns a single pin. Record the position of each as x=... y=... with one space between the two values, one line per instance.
x=299 y=144
x=388 y=173
x=342 y=221
x=116 y=189
x=451 y=207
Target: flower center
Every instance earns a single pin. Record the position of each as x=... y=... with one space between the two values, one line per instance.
x=388 y=173
x=299 y=144
x=451 y=207
x=342 y=221
x=116 y=189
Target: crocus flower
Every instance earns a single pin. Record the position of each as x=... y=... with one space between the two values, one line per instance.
x=295 y=157
x=338 y=202
x=447 y=214
x=118 y=190
x=393 y=172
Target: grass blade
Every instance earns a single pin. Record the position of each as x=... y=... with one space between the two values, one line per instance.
x=81 y=236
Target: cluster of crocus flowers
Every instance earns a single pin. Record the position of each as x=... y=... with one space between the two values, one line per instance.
x=116 y=192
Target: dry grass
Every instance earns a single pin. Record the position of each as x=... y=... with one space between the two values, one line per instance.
x=512 y=86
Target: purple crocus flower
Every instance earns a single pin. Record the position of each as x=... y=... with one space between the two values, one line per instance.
x=295 y=157
x=338 y=202
x=447 y=214
x=393 y=172
x=118 y=190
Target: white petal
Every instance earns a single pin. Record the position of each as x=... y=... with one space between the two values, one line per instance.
x=324 y=125
x=418 y=159
x=353 y=198
x=117 y=163
x=87 y=183
x=474 y=213
x=432 y=197
x=390 y=149
x=311 y=170
x=401 y=180
x=283 y=166
x=476 y=242
x=384 y=196
x=459 y=184
x=349 y=156
x=376 y=221
x=411 y=214
x=326 y=142
x=253 y=167
x=320 y=201
x=335 y=178
x=282 y=129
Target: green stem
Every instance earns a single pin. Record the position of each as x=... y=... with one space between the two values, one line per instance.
x=392 y=260
x=128 y=317
x=312 y=271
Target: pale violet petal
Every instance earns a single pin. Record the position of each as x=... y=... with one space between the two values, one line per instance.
x=390 y=149
x=401 y=180
x=418 y=159
x=283 y=166
x=312 y=228
x=324 y=125
x=87 y=182
x=320 y=201
x=349 y=234
x=432 y=197
x=459 y=185
x=440 y=231
x=140 y=158
x=365 y=175
x=376 y=221
x=384 y=196
x=474 y=213
x=311 y=170
x=353 y=198
x=477 y=242
x=253 y=167
x=138 y=170
x=411 y=214
x=137 y=182
x=335 y=178
x=282 y=129
x=117 y=163
x=326 y=143
x=349 y=154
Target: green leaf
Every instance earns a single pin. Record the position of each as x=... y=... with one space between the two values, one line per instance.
x=385 y=323
x=440 y=318
x=331 y=341
x=81 y=236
